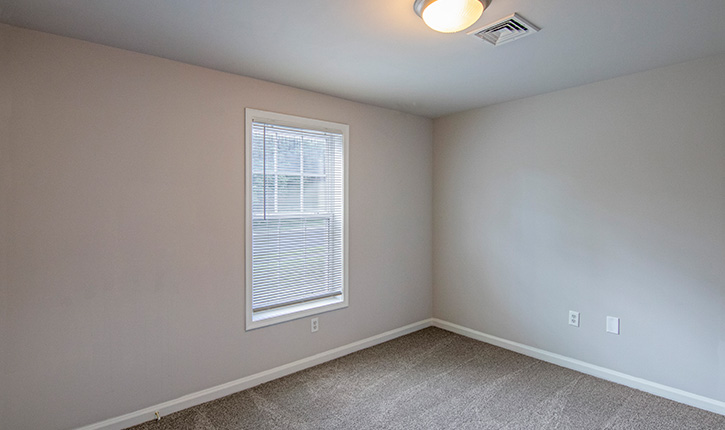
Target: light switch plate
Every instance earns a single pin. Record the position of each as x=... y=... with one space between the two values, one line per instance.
x=613 y=325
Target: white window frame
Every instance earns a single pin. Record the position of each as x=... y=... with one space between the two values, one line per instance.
x=274 y=316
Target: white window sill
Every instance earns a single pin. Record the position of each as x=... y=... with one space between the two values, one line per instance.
x=288 y=313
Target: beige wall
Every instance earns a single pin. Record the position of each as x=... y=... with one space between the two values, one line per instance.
x=121 y=235
x=607 y=199
x=4 y=201
x=123 y=229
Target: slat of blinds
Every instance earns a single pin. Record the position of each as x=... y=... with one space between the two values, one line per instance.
x=304 y=300
x=297 y=215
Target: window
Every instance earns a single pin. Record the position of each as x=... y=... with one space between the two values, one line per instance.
x=296 y=228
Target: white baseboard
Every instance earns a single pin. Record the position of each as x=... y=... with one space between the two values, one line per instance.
x=222 y=390
x=671 y=393
x=166 y=408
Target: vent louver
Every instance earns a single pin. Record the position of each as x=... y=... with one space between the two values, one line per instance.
x=505 y=30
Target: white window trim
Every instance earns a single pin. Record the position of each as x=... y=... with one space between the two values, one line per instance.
x=292 y=312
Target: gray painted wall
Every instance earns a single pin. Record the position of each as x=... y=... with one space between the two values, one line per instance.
x=608 y=199
x=122 y=229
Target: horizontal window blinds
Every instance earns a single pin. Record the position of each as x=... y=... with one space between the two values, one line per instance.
x=297 y=215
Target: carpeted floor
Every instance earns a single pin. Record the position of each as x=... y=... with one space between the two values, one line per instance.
x=434 y=379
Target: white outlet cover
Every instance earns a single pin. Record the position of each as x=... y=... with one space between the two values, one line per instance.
x=574 y=318
x=613 y=325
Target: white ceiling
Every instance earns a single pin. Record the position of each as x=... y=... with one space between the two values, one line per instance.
x=379 y=52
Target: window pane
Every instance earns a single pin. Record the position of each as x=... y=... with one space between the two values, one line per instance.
x=314 y=156
x=258 y=195
x=314 y=194
x=288 y=194
x=288 y=154
x=295 y=252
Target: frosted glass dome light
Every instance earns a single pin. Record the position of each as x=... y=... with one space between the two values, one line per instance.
x=450 y=16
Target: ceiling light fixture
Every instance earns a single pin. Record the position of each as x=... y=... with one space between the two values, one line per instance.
x=450 y=16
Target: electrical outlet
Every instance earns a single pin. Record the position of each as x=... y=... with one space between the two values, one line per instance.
x=574 y=318
x=314 y=324
x=613 y=325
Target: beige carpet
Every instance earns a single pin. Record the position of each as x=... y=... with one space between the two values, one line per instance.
x=434 y=379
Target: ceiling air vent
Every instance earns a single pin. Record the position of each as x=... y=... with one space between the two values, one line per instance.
x=505 y=30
